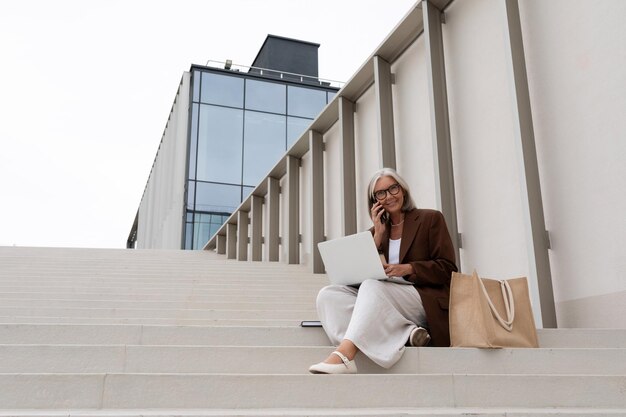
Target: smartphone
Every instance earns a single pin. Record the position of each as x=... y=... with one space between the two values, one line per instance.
x=384 y=217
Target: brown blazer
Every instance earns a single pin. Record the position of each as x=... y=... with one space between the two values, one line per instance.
x=427 y=246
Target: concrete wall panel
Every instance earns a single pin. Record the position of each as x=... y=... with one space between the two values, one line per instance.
x=576 y=52
x=414 y=145
x=366 y=150
x=483 y=144
x=600 y=311
x=333 y=204
x=162 y=205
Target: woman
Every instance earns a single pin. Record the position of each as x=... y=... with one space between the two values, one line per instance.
x=380 y=318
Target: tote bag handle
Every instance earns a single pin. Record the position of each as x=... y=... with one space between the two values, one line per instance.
x=509 y=303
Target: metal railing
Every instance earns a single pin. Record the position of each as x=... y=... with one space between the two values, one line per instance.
x=283 y=75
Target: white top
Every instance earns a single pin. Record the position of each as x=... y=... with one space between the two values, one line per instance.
x=394 y=251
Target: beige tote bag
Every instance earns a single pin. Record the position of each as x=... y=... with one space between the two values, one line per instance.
x=488 y=313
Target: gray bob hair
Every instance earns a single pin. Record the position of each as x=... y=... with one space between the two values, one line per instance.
x=409 y=204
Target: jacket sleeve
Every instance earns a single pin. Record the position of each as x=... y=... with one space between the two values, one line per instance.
x=438 y=269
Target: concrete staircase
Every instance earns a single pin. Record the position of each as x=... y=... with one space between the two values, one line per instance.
x=86 y=332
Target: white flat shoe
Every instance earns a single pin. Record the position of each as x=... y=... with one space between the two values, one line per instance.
x=347 y=367
x=419 y=337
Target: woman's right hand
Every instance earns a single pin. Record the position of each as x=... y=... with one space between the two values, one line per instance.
x=379 y=227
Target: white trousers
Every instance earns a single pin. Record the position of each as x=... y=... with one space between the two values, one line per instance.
x=377 y=317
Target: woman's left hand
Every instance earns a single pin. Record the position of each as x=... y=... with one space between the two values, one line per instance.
x=398 y=270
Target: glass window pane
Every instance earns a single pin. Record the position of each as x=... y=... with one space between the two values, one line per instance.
x=246 y=192
x=191 y=194
x=205 y=227
x=264 y=96
x=264 y=144
x=196 y=85
x=295 y=128
x=217 y=197
x=330 y=95
x=216 y=221
x=219 y=144
x=222 y=89
x=193 y=142
x=188 y=235
x=305 y=102
x=200 y=231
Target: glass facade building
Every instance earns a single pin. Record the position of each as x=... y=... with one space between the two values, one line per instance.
x=241 y=124
x=227 y=129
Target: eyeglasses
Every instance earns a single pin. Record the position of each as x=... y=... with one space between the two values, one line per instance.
x=382 y=194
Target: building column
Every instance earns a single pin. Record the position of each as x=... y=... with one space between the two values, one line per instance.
x=293 y=210
x=273 y=226
x=348 y=166
x=242 y=236
x=439 y=121
x=231 y=241
x=221 y=244
x=256 y=239
x=384 y=113
x=316 y=176
x=535 y=227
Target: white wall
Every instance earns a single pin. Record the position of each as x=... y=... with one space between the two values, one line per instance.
x=486 y=169
x=411 y=113
x=366 y=151
x=162 y=206
x=576 y=55
x=333 y=204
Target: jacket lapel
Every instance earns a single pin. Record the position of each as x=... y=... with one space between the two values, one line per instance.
x=409 y=231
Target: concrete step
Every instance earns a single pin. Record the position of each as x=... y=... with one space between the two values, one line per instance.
x=158 y=313
x=181 y=267
x=74 y=255
x=326 y=412
x=160 y=335
x=117 y=332
x=143 y=304
x=127 y=391
x=143 y=334
x=174 y=292
x=88 y=294
x=296 y=360
x=126 y=278
x=31 y=261
x=176 y=269
x=57 y=251
x=162 y=290
x=156 y=321
x=155 y=280
x=151 y=258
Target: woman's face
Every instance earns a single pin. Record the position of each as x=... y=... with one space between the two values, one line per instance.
x=391 y=203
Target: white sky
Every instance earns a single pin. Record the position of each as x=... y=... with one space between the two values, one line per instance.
x=86 y=88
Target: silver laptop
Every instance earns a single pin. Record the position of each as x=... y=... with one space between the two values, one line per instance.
x=352 y=259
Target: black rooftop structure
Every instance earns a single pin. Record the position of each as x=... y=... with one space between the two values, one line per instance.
x=287 y=55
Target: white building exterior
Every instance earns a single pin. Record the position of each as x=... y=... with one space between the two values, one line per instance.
x=163 y=202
